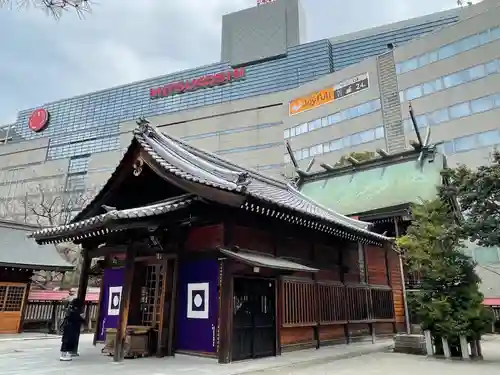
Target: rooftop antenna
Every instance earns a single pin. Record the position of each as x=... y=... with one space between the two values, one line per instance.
x=415 y=127
x=383 y=153
x=311 y=163
x=290 y=153
x=352 y=160
x=327 y=167
x=419 y=145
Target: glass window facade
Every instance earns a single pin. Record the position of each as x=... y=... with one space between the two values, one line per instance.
x=268 y=167
x=455 y=111
x=353 y=51
x=231 y=131
x=339 y=143
x=490 y=138
x=249 y=148
x=451 y=80
x=90 y=123
x=334 y=118
x=449 y=50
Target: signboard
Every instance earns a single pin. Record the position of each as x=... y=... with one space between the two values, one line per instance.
x=207 y=81
x=38 y=119
x=351 y=86
x=262 y=2
x=311 y=101
x=114 y=299
x=328 y=95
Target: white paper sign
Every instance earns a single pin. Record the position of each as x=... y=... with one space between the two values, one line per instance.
x=114 y=300
x=197 y=300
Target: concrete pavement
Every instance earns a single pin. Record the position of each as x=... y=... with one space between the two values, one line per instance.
x=28 y=336
x=41 y=357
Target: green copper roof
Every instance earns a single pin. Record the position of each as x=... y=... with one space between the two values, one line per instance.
x=372 y=189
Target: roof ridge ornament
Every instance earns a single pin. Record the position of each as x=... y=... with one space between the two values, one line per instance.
x=167 y=142
x=137 y=167
x=243 y=180
x=144 y=126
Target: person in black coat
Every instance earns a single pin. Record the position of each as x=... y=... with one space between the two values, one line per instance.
x=71 y=330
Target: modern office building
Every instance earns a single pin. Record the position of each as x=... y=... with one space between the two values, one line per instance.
x=326 y=97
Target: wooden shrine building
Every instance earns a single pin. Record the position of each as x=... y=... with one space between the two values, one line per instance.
x=222 y=261
x=20 y=257
x=380 y=191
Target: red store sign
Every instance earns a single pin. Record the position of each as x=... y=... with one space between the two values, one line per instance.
x=211 y=80
x=38 y=119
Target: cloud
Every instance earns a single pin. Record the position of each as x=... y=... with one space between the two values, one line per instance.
x=122 y=41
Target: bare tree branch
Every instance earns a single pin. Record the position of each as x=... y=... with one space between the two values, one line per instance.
x=54 y=8
x=49 y=207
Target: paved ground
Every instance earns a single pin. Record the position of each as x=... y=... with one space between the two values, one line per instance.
x=39 y=356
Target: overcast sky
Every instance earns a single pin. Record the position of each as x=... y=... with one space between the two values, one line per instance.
x=42 y=59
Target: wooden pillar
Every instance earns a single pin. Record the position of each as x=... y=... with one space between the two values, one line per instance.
x=403 y=284
x=24 y=306
x=278 y=309
x=83 y=284
x=98 y=324
x=173 y=306
x=316 y=297
x=387 y=267
x=225 y=313
x=342 y=280
x=124 y=305
x=389 y=282
x=164 y=306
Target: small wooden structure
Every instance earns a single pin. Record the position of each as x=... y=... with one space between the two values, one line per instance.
x=19 y=258
x=224 y=262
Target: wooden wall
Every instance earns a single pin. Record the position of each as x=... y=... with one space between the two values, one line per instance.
x=357 y=290
x=397 y=289
x=329 y=306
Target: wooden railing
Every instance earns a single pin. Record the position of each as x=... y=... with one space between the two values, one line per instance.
x=47 y=316
x=336 y=303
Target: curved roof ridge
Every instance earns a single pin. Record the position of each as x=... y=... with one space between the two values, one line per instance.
x=216 y=158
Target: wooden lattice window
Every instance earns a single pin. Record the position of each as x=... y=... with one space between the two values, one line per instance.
x=383 y=306
x=151 y=296
x=11 y=297
x=299 y=303
x=332 y=302
x=359 y=303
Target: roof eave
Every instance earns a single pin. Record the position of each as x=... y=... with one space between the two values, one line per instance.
x=38 y=267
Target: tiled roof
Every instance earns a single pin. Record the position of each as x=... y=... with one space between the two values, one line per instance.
x=267 y=261
x=17 y=251
x=260 y=194
x=192 y=164
x=96 y=222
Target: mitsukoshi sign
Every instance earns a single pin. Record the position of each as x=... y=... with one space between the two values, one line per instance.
x=194 y=84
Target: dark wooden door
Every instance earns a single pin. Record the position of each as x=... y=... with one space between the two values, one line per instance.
x=254 y=319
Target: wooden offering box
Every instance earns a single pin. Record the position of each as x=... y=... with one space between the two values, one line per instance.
x=137 y=341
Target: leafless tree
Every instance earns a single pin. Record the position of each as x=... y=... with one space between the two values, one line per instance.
x=55 y=8
x=51 y=207
x=45 y=207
